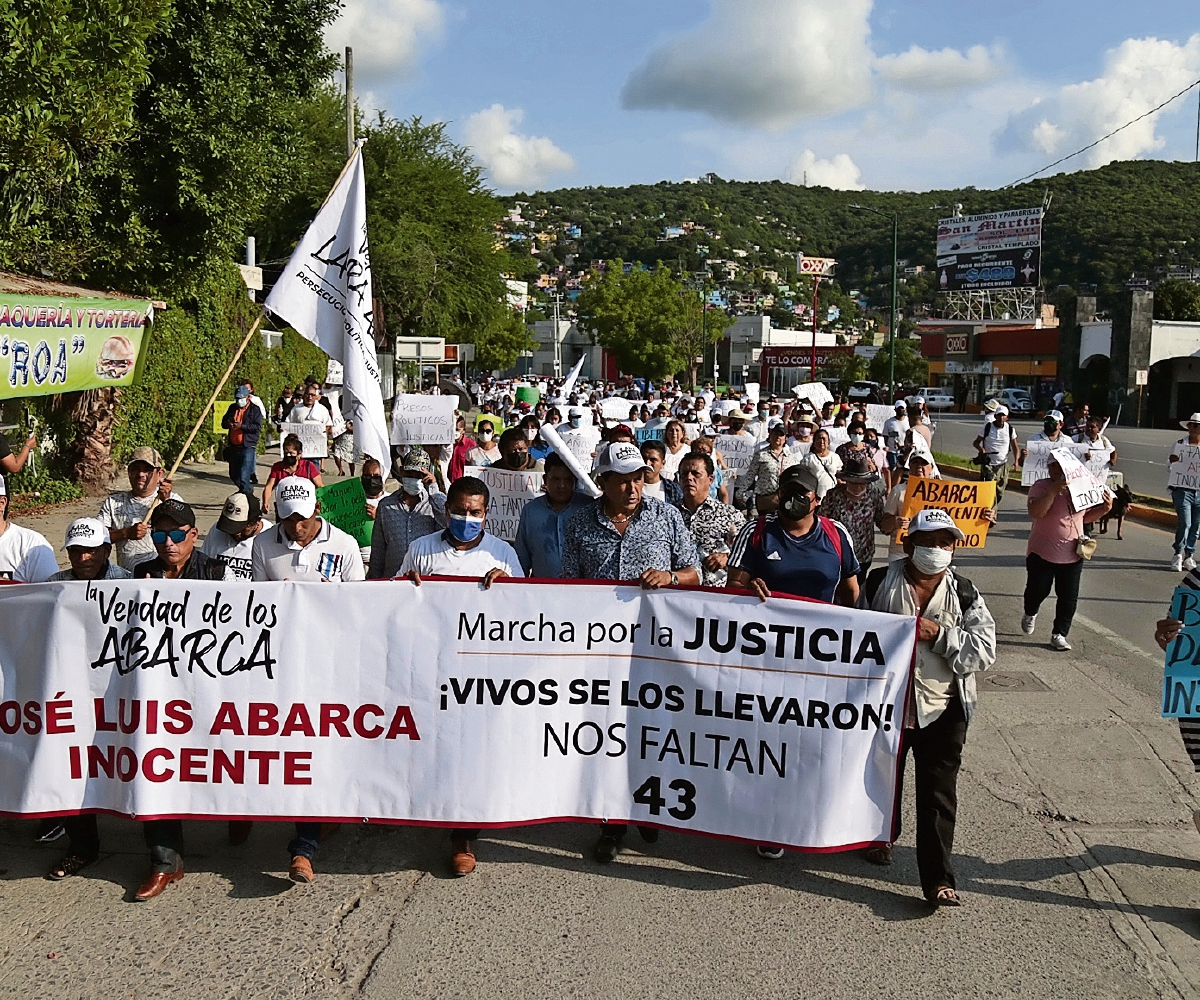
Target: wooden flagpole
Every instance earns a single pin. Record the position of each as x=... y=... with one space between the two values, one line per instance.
x=262 y=313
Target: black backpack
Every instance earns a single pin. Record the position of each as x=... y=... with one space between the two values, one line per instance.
x=967 y=592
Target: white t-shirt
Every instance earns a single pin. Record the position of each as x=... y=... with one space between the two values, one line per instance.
x=124 y=510
x=332 y=555
x=997 y=444
x=653 y=490
x=432 y=555
x=894 y=430
x=234 y=554
x=25 y=556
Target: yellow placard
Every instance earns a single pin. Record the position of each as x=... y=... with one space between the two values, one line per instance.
x=964 y=501
x=219 y=408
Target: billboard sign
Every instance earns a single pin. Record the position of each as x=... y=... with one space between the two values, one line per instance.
x=994 y=250
x=817 y=265
x=1020 y=268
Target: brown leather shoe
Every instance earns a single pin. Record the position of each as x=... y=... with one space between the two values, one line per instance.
x=156 y=883
x=239 y=831
x=462 y=857
x=301 y=870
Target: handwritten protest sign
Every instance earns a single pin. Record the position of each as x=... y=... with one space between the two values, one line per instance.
x=816 y=393
x=616 y=408
x=1181 y=672
x=1033 y=466
x=1084 y=488
x=691 y=431
x=737 y=450
x=509 y=492
x=1186 y=472
x=581 y=442
x=965 y=502
x=344 y=505
x=418 y=419
x=313 y=443
x=650 y=433
x=838 y=436
x=877 y=413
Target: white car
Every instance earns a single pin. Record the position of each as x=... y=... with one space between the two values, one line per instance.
x=1017 y=400
x=861 y=390
x=936 y=397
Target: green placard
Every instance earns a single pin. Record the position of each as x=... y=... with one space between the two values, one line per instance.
x=50 y=345
x=344 y=505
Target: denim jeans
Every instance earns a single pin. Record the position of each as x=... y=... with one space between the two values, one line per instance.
x=1187 y=519
x=241 y=467
x=308 y=837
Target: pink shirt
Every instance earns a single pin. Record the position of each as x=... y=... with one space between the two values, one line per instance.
x=1053 y=537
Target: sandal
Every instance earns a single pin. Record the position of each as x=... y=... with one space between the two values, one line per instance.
x=946 y=896
x=70 y=865
x=879 y=855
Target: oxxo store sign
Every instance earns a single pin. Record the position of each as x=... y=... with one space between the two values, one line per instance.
x=958 y=343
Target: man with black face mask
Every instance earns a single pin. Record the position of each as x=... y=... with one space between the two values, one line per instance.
x=1051 y=431
x=514 y=452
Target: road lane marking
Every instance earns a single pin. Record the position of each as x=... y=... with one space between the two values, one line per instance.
x=1117 y=640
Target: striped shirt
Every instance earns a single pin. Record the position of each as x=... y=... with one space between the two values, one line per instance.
x=1189 y=726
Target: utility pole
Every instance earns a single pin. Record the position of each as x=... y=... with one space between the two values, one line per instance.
x=557 y=339
x=892 y=321
x=250 y=260
x=349 y=102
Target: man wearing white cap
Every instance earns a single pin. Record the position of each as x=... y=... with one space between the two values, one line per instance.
x=1187 y=501
x=88 y=547
x=231 y=539
x=895 y=431
x=124 y=512
x=956 y=638
x=25 y=556
x=996 y=444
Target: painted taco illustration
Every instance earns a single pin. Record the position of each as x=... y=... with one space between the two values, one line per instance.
x=117 y=358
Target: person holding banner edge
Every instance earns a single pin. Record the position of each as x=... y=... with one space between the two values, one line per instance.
x=1186 y=500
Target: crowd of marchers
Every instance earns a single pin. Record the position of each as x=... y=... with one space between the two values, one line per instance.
x=800 y=519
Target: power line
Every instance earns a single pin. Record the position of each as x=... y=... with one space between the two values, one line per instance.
x=1093 y=145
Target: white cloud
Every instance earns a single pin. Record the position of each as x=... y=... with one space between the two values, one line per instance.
x=512 y=161
x=762 y=62
x=919 y=69
x=839 y=172
x=1138 y=75
x=387 y=36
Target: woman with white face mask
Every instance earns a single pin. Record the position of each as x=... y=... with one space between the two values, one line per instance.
x=956 y=638
x=486 y=451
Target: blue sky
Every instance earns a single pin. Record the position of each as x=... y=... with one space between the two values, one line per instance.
x=903 y=95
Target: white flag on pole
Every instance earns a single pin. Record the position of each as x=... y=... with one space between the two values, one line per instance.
x=325 y=294
x=569 y=384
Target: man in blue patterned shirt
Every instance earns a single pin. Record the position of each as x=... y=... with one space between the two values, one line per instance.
x=625 y=536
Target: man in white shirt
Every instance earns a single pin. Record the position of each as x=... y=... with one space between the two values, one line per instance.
x=895 y=431
x=231 y=540
x=124 y=512
x=303 y=545
x=996 y=444
x=463 y=549
x=25 y=556
x=88 y=547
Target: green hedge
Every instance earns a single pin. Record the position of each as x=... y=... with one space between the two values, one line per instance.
x=190 y=346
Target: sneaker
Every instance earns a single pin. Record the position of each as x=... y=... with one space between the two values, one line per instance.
x=1059 y=643
x=1177 y=563
x=769 y=852
x=1027 y=623
x=1189 y=564
x=301 y=870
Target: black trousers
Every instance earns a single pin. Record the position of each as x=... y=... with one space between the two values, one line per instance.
x=937 y=755
x=1040 y=575
x=83 y=835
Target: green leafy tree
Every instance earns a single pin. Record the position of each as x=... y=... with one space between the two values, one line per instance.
x=910 y=366
x=1179 y=300
x=695 y=326
x=500 y=342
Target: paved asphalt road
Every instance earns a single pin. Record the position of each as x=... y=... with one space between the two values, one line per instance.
x=1077 y=859
x=1141 y=454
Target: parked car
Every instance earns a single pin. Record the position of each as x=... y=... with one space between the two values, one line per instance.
x=1016 y=399
x=936 y=397
x=861 y=390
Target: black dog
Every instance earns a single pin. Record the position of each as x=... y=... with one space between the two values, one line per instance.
x=1120 y=505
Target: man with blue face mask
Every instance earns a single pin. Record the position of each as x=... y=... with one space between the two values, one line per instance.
x=463 y=549
x=956 y=638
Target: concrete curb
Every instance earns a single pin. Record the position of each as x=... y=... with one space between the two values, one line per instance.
x=1153 y=517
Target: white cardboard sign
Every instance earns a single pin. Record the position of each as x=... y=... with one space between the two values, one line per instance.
x=313 y=442
x=1185 y=473
x=509 y=492
x=420 y=419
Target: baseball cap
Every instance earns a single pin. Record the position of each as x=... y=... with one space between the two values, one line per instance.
x=243 y=391
x=87 y=532
x=295 y=495
x=621 y=457
x=901 y=405
x=803 y=475
x=775 y=422
x=1054 y=415
x=934 y=519
x=1001 y=411
x=919 y=399
x=146 y=454
x=240 y=510
x=174 y=510
x=415 y=461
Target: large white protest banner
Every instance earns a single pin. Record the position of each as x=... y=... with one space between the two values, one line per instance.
x=737 y=450
x=1084 y=489
x=420 y=419
x=325 y=294
x=1034 y=465
x=313 y=440
x=450 y=705
x=508 y=493
x=1186 y=472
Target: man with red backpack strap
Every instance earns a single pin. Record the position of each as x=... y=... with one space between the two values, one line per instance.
x=796 y=551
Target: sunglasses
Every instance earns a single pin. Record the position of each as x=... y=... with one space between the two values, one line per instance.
x=177 y=535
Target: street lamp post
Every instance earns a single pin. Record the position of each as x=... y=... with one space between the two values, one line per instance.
x=892 y=322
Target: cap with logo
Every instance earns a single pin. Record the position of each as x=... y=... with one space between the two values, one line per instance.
x=934 y=519
x=240 y=510
x=1054 y=415
x=175 y=511
x=146 y=454
x=295 y=495
x=621 y=457
x=87 y=533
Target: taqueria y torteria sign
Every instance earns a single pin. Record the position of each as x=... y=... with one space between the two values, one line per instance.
x=51 y=344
